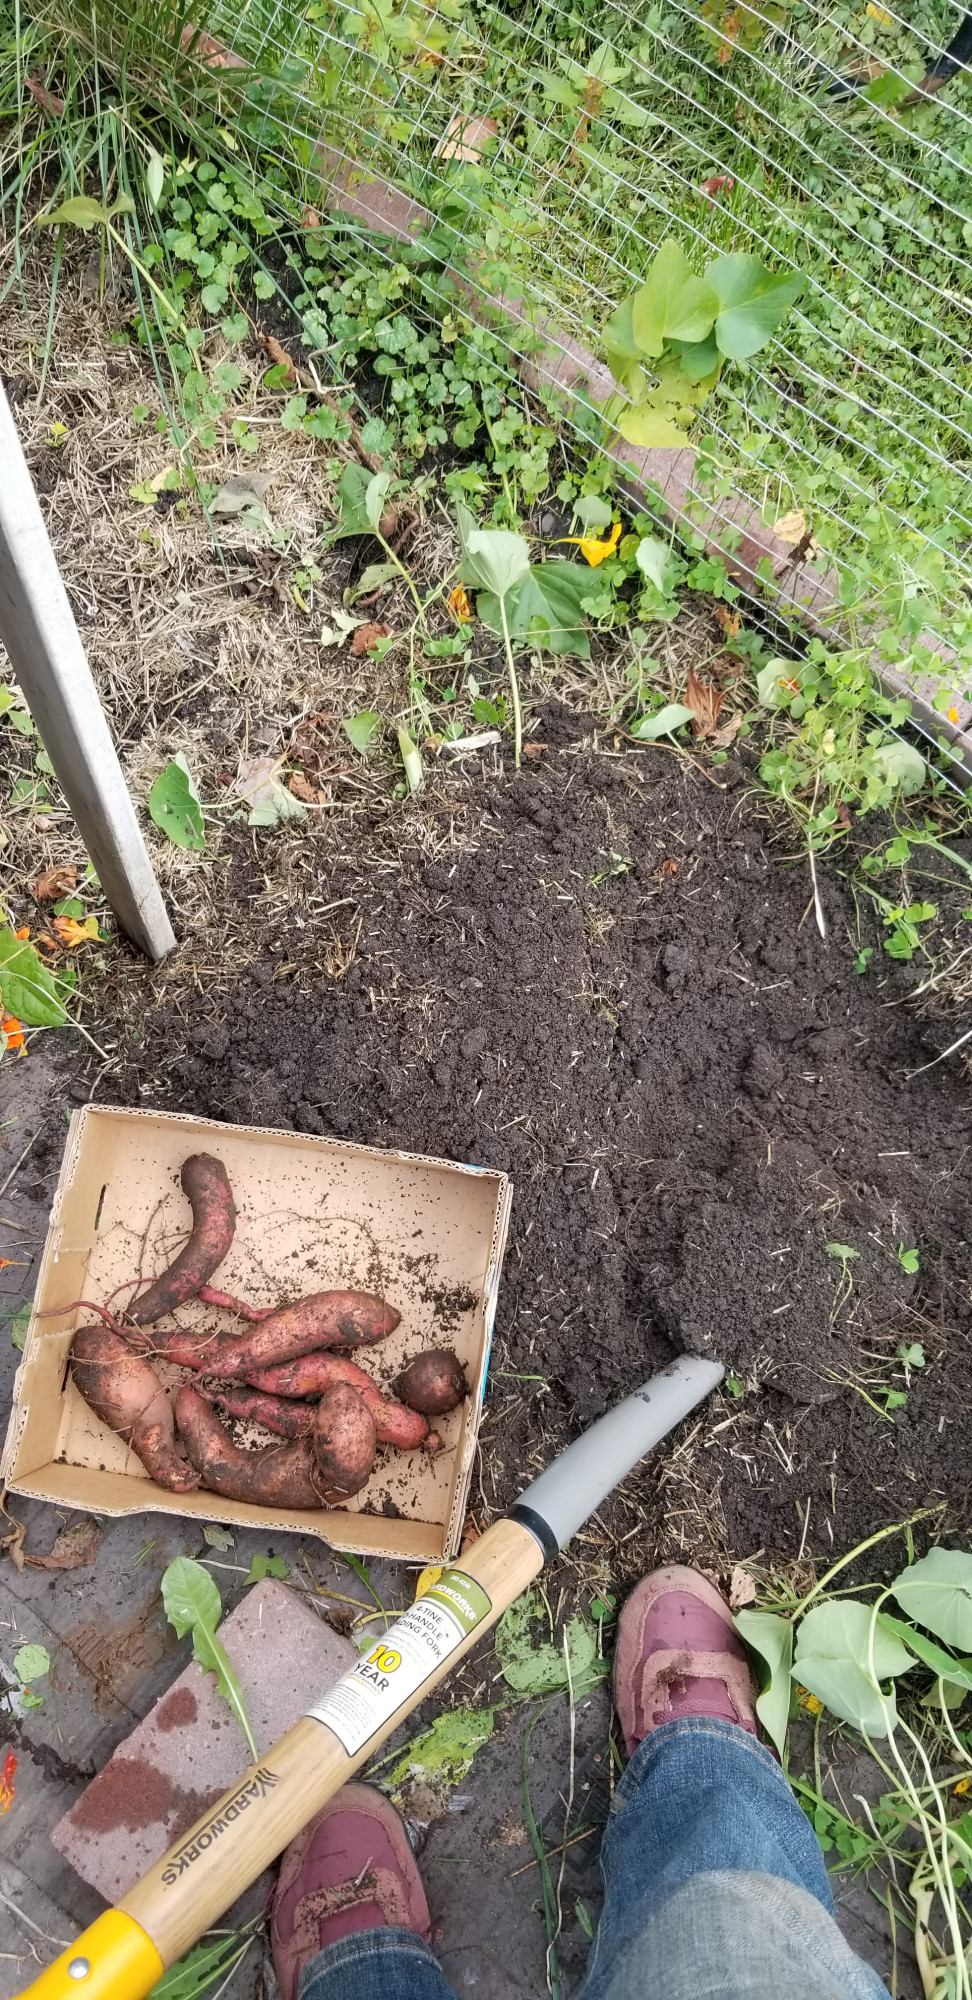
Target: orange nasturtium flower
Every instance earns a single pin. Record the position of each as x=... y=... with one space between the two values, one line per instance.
x=11 y=1029
x=953 y=715
x=70 y=932
x=460 y=606
x=24 y=933
x=7 y=1776
x=594 y=551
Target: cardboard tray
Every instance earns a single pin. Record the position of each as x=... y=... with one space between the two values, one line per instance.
x=313 y=1213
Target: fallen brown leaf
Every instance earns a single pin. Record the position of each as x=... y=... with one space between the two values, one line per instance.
x=721 y=738
x=466 y=138
x=74 y=1548
x=47 y=99
x=728 y=621
x=277 y=354
x=303 y=789
x=791 y=528
x=55 y=882
x=534 y=749
x=215 y=54
x=365 y=637
x=705 y=700
x=669 y=868
x=742 y=1589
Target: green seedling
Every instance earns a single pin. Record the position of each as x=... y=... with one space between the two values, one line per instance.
x=361 y=730
x=31 y=1663
x=261 y=1566
x=175 y=806
x=195 y=1975
x=908 y=1259
x=192 y=1604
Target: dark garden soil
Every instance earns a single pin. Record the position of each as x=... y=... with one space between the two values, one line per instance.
x=613 y=989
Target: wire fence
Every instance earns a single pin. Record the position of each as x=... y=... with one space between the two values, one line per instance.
x=552 y=145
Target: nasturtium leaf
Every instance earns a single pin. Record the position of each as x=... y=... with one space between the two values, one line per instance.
x=751 y=302
x=360 y=730
x=772 y=1638
x=31 y=1663
x=175 y=806
x=27 y=988
x=493 y=559
x=902 y=765
x=593 y=511
x=650 y=727
x=352 y=490
x=653 y=557
x=937 y=1592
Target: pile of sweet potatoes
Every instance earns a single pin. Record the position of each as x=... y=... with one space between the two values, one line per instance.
x=289 y=1371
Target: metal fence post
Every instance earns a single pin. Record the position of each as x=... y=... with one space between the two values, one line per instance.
x=38 y=630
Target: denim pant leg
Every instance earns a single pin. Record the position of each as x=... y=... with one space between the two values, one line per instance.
x=715 y=1885
x=385 y=1964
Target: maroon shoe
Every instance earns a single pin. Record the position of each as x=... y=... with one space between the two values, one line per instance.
x=679 y=1654
x=351 y=1869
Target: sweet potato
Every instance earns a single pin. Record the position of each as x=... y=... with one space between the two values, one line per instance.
x=274 y=1476
x=313 y=1374
x=204 y=1181
x=433 y=1383
x=324 y=1319
x=125 y=1392
x=282 y=1414
x=344 y=1444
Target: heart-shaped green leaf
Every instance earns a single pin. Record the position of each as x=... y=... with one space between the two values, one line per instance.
x=493 y=559
x=650 y=727
x=937 y=1591
x=651 y=428
x=772 y=1638
x=27 y=989
x=175 y=806
x=751 y=302
x=672 y=303
x=544 y=609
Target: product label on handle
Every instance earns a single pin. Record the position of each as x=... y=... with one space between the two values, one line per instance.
x=393 y=1670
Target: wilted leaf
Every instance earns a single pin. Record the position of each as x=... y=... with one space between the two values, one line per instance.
x=47 y=99
x=650 y=428
x=278 y=356
x=467 y=138
x=649 y=728
x=31 y=1663
x=55 y=882
x=771 y=1637
x=493 y=559
x=261 y=1566
x=302 y=789
x=705 y=700
x=175 y=806
x=412 y=760
x=71 y=933
x=742 y=1589
x=360 y=730
x=367 y=636
x=243 y=489
x=791 y=528
x=258 y=785
x=74 y=1548
x=534 y=1668
x=217 y=1537
x=20 y=1324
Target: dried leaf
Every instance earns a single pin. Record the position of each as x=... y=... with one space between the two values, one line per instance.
x=367 y=636
x=55 y=882
x=47 y=99
x=71 y=933
x=742 y=1589
x=715 y=185
x=259 y=786
x=721 y=738
x=728 y=621
x=534 y=749
x=705 y=700
x=243 y=489
x=277 y=354
x=467 y=138
x=303 y=789
x=669 y=868
x=74 y=1548
x=791 y=529
x=214 y=54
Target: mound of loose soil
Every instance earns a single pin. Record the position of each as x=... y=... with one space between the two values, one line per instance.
x=613 y=989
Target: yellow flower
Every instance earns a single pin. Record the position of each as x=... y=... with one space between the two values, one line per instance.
x=953 y=715
x=591 y=549
x=809 y=1701
x=964 y=1785
x=460 y=606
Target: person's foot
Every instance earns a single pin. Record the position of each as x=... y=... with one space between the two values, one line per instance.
x=679 y=1654
x=351 y=1869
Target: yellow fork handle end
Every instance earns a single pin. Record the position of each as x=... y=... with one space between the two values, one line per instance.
x=113 y=1959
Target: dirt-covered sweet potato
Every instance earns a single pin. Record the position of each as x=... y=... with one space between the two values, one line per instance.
x=433 y=1383
x=204 y=1181
x=125 y=1392
x=289 y=1418
x=344 y=1444
x=273 y=1476
x=324 y=1319
x=313 y=1374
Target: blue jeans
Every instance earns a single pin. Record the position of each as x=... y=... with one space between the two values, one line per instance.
x=715 y=1889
